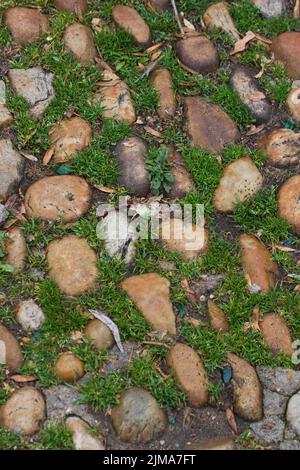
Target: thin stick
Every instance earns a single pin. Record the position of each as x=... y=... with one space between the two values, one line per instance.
x=177 y=16
x=156 y=343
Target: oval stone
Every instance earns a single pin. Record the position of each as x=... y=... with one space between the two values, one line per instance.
x=73 y=6
x=79 y=40
x=289 y=202
x=132 y=22
x=10 y=352
x=276 y=334
x=26 y=24
x=197 y=54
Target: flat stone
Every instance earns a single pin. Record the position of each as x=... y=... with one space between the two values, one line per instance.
x=189 y=373
x=160 y=5
x=293 y=413
x=197 y=54
x=151 y=293
x=289 y=202
x=280 y=380
x=30 y=315
x=131 y=21
x=183 y=182
x=282 y=147
x=3 y=214
x=293 y=103
x=6 y=117
x=114 y=97
x=261 y=272
x=162 y=83
x=276 y=334
x=99 y=335
x=69 y=368
x=208 y=125
x=82 y=435
x=268 y=431
x=10 y=352
x=35 y=86
x=24 y=411
x=217 y=317
x=270 y=8
x=247 y=390
x=72 y=265
x=138 y=418
x=285 y=48
x=16 y=249
x=80 y=7
x=241 y=180
x=217 y=443
x=185 y=238
x=250 y=93
x=57 y=198
x=274 y=403
x=80 y=41
x=11 y=169
x=217 y=16
x=289 y=445
x=26 y=24
x=68 y=137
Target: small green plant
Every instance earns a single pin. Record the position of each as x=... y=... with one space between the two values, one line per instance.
x=161 y=178
x=4 y=267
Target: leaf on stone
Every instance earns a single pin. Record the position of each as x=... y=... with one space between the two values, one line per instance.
x=241 y=44
x=23 y=378
x=111 y=325
x=231 y=420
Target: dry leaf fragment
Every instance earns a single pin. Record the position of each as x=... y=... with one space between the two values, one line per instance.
x=21 y=379
x=190 y=293
x=231 y=420
x=153 y=132
x=104 y=189
x=48 y=155
x=111 y=325
x=30 y=157
x=263 y=39
x=154 y=48
x=241 y=44
x=155 y=55
x=188 y=24
x=255 y=130
x=287 y=249
x=254 y=322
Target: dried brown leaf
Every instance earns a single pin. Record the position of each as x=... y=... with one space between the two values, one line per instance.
x=231 y=420
x=21 y=379
x=104 y=189
x=48 y=155
x=241 y=44
x=153 y=132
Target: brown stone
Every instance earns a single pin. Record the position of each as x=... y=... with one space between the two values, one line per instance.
x=72 y=265
x=282 y=147
x=189 y=373
x=162 y=82
x=286 y=48
x=69 y=368
x=187 y=239
x=26 y=24
x=217 y=16
x=217 y=317
x=293 y=103
x=58 y=197
x=261 y=273
x=16 y=249
x=151 y=293
x=10 y=352
x=131 y=21
x=82 y=435
x=99 y=335
x=183 y=182
x=68 y=137
x=217 y=443
x=247 y=390
x=197 y=54
x=208 y=125
x=289 y=202
x=240 y=180
x=80 y=41
x=276 y=334
x=80 y=7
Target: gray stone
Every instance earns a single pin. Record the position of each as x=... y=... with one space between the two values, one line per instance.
x=293 y=413
x=11 y=169
x=3 y=214
x=5 y=115
x=30 y=315
x=274 y=403
x=289 y=434
x=269 y=430
x=280 y=380
x=290 y=445
x=270 y=8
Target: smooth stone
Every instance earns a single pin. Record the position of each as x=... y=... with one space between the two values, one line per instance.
x=11 y=169
x=183 y=182
x=217 y=16
x=131 y=21
x=289 y=202
x=217 y=317
x=247 y=390
x=68 y=137
x=293 y=413
x=270 y=8
x=282 y=147
x=151 y=293
x=138 y=418
x=10 y=352
x=80 y=41
x=82 y=436
x=57 y=198
x=217 y=443
x=241 y=180
x=114 y=97
x=260 y=271
x=276 y=334
x=285 y=48
x=69 y=368
x=160 y=5
x=24 y=411
x=187 y=239
x=3 y=214
x=280 y=380
x=274 y=403
x=16 y=249
x=35 y=86
x=30 y=316
x=188 y=370
x=72 y=265
x=268 y=431
x=162 y=83
x=79 y=7
x=247 y=87
x=99 y=335
x=6 y=117
x=208 y=125
x=26 y=24
x=197 y=54
x=131 y=154
x=293 y=103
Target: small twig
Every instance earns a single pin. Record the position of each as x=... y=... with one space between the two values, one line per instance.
x=150 y=68
x=156 y=343
x=177 y=16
